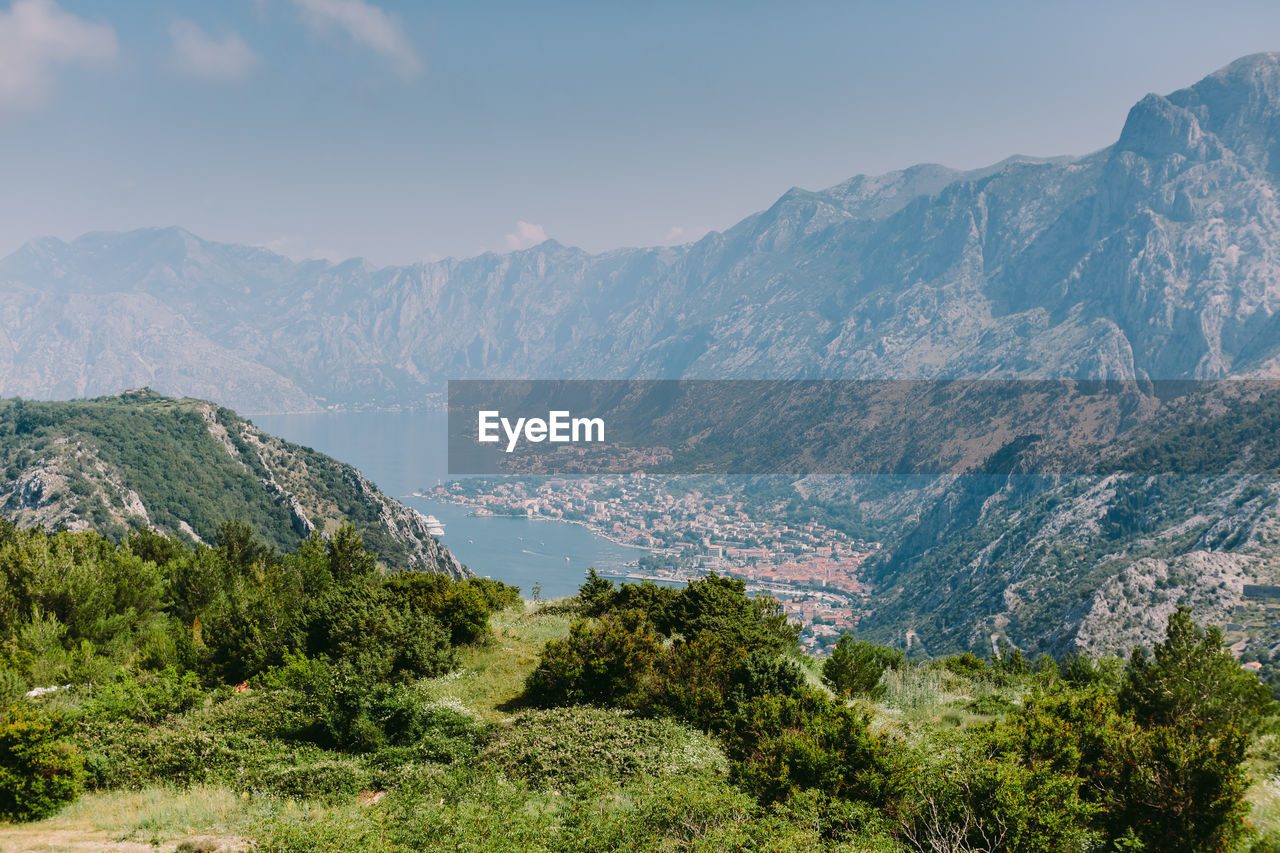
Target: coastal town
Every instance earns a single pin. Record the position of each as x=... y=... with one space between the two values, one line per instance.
x=683 y=530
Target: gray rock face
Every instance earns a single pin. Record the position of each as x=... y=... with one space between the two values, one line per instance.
x=1159 y=256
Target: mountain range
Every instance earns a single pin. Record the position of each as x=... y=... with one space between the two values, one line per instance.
x=1158 y=256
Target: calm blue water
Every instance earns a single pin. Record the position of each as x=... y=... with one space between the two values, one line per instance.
x=405 y=452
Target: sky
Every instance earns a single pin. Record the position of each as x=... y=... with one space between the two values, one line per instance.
x=407 y=131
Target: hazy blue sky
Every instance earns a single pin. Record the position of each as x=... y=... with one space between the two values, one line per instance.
x=406 y=131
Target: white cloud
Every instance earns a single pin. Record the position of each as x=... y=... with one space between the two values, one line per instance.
x=201 y=55
x=526 y=234
x=35 y=37
x=367 y=25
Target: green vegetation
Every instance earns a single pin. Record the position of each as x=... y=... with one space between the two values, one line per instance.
x=224 y=696
x=855 y=667
x=141 y=460
x=1075 y=762
x=40 y=770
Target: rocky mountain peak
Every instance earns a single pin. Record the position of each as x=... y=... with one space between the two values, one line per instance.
x=1236 y=108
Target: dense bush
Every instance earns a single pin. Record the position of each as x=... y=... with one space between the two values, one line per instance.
x=966 y=794
x=1085 y=671
x=604 y=662
x=1192 y=681
x=146 y=696
x=463 y=608
x=367 y=629
x=720 y=607
x=1150 y=755
x=1161 y=762
x=705 y=680
x=713 y=606
x=784 y=744
x=727 y=672
x=339 y=705
x=325 y=779
x=1194 y=705
x=40 y=770
x=855 y=667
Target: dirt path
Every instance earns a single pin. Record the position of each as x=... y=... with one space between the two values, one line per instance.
x=38 y=840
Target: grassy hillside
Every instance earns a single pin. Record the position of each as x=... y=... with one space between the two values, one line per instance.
x=338 y=707
x=185 y=467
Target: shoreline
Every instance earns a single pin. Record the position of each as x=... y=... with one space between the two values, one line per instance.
x=595 y=531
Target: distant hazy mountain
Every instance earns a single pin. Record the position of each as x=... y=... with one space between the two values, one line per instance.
x=1158 y=256
x=186 y=466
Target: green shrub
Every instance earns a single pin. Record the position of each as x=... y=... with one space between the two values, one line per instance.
x=720 y=607
x=325 y=779
x=1185 y=792
x=565 y=746
x=704 y=680
x=596 y=594
x=605 y=662
x=970 y=795
x=1084 y=671
x=465 y=614
x=497 y=595
x=855 y=667
x=145 y=696
x=855 y=825
x=184 y=754
x=967 y=665
x=1192 y=681
x=780 y=745
x=340 y=706
x=364 y=626
x=12 y=686
x=1195 y=705
x=713 y=606
x=40 y=770
x=1162 y=764
x=462 y=607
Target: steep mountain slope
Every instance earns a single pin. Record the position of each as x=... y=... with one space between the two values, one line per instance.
x=1184 y=510
x=1155 y=257
x=186 y=466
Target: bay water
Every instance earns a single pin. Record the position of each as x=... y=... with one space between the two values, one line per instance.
x=405 y=452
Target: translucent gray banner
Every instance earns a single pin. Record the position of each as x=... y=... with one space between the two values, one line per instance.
x=862 y=427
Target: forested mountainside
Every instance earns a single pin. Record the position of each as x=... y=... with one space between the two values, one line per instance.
x=1156 y=256
x=185 y=467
